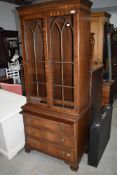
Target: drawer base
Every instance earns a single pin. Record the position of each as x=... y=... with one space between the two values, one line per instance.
x=73 y=166
x=60 y=138
x=50 y=149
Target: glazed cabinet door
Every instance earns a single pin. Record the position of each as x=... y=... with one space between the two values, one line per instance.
x=35 y=61
x=50 y=68
x=61 y=55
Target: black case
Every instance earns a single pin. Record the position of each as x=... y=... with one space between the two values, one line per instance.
x=99 y=136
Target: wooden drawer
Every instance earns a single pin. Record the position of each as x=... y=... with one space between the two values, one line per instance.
x=49 y=136
x=51 y=149
x=50 y=125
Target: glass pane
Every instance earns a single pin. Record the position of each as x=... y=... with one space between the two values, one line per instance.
x=42 y=90
x=41 y=72
x=68 y=74
x=33 y=89
x=57 y=74
x=57 y=93
x=32 y=72
x=35 y=58
x=67 y=38
x=60 y=22
x=38 y=43
x=29 y=43
x=55 y=43
x=68 y=94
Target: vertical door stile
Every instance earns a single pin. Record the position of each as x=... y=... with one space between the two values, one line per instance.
x=76 y=55
x=22 y=31
x=26 y=61
x=62 y=59
x=35 y=59
x=47 y=61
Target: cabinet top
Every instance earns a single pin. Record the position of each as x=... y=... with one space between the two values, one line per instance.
x=100 y=14
x=54 y=5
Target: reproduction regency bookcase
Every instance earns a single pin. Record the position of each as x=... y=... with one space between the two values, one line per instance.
x=56 y=59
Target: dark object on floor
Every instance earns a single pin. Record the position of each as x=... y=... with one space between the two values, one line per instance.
x=96 y=91
x=3 y=51
x=99 y=136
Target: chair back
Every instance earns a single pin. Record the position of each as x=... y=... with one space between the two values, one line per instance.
x=14 y=74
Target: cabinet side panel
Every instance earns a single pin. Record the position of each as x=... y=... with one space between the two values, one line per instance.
x=84 y=59
x=83 y=134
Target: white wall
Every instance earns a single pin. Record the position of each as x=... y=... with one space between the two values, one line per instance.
x=104 y=3
x=114 y=19
x=7 y=16
x=107 y=5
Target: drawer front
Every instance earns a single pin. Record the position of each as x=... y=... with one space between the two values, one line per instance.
x=49 y=136
x=50 y=149
x=54 y=126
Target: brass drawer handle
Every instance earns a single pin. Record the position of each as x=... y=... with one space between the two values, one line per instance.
x=62 y=128
x=68 y=154
x=61 y=140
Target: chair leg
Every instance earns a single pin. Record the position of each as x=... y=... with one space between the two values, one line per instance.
x=19 y=81
x=14 y=80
